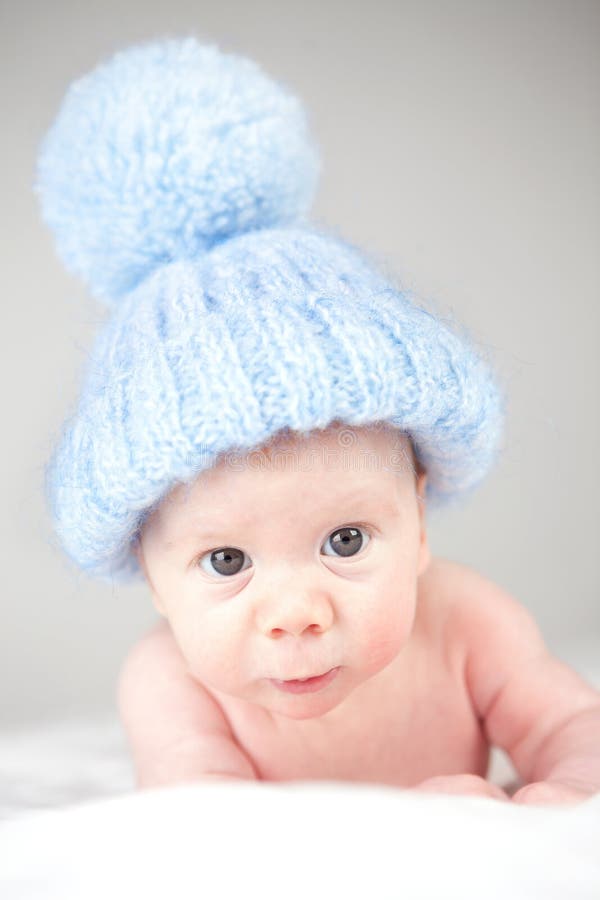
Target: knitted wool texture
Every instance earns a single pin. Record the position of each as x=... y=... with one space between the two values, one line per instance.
x=177 y=179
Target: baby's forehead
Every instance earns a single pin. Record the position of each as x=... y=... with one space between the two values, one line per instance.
x=379 y=438
x=338 y=448
x=356 y=469
x=336 y=460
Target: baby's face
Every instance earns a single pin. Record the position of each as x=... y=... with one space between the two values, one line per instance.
x=290 y=562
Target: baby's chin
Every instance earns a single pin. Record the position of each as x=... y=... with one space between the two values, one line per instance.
x=301 y=711
x=318 y=704
x=336 y=698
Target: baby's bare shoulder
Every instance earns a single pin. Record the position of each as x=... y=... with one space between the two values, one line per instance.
x=518 y=689
x=176 y=729
x=495 y=634
x=156 y=692
x=474 y=608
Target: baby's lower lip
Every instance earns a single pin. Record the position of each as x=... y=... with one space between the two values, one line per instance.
x=311 y=684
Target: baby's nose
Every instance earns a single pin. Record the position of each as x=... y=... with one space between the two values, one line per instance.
x=296 y=615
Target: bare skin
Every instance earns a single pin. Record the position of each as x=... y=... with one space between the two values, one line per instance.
x=434 y=662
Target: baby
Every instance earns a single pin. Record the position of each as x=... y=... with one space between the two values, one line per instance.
x=263 y=422
x=308 y=633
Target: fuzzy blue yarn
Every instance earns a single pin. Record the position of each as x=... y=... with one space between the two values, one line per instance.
x=223 y=343
x=165 y=150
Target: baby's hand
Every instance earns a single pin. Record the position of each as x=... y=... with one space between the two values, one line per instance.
x=462 y=784
x=539 y=792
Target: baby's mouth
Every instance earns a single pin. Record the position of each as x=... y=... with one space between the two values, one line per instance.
x=304 y=685
x=306 y=678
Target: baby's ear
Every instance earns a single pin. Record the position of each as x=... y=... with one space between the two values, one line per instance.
x=157 y=602
x=136 y=548
x=424 y=551
x=139 y=553
x=421 y=484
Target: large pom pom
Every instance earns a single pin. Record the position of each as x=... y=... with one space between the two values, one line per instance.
x=165 y=150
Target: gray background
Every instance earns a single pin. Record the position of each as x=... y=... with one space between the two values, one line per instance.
x=460 y=143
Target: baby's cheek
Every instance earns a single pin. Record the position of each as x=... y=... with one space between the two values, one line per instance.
x=211 y=649
x=193 y=639
x=384 y=630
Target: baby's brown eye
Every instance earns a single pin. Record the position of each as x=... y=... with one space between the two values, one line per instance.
x=226 y=561
x=346 y=541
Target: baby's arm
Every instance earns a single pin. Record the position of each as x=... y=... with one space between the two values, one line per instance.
x=531 y=704
x=176 y=730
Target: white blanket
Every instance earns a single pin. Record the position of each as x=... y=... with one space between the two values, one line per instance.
x=71 y=828
x=299 y=840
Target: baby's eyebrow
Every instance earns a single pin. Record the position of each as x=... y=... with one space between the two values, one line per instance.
x=354 y=502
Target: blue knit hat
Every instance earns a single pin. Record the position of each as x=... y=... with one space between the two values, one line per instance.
x=177 y=180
